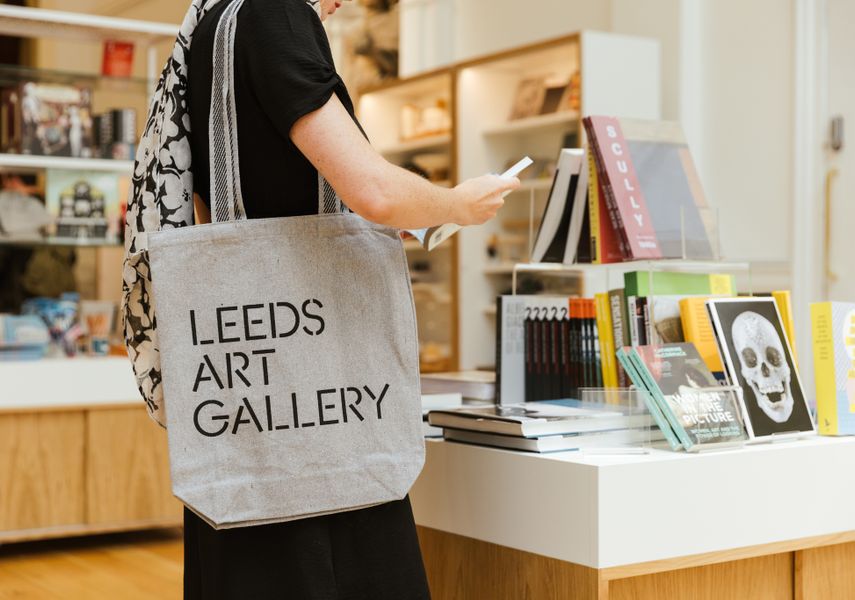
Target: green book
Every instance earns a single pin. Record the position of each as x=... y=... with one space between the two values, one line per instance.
x=652 y=406
x=680 y=382
x=668 y=283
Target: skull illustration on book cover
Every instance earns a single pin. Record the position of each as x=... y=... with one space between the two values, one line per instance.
x=764 y=365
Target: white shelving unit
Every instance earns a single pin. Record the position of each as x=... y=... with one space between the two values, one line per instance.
x=434 y=142
x=620 y=75
x=29 y=162
x=27 y=22
x=534 y=124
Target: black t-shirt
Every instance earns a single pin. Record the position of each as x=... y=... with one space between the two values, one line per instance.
x=283 y=71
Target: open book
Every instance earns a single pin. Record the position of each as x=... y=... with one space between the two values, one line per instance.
x=431 y=237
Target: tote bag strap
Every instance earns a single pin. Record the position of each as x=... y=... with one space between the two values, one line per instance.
x=226 y=197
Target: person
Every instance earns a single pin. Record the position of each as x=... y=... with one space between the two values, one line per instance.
x=295 y=121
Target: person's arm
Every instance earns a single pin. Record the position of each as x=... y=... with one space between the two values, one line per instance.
x=381 y=192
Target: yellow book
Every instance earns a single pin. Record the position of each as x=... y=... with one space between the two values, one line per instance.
x=698 y=330
x=785 y=307
x=833 y=332
x=607 y=340
x=594 y=209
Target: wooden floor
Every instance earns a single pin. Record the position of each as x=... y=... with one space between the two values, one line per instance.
x=127 y=567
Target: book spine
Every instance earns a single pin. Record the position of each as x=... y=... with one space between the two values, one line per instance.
x=646 y=333
x=659 y=399
x=632 y=312
x=598 y=378
x=606 y=340
x=608 y=193
x=698 y=330
x=652 y=406
x=822 y=328
x=620 y=330
x=499 y=327
x=594 y=208
x=624 y=187
x=785 y=307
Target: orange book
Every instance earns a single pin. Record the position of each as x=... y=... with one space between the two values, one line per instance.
x=698 y=330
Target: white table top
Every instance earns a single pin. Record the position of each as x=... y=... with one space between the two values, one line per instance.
x=606 y=511
x=65 y=383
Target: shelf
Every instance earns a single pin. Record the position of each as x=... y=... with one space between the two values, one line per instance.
x=669 y=265
x=533 y=124
x=536 y=185
x=14 y=74
x=17 y=21
x=499 y=269
x=34 y=241
x=426 y=143
x=31 y=162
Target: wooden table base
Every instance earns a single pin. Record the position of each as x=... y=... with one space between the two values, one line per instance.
x=462 y=568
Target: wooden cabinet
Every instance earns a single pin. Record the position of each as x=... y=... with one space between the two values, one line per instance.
x=87 y=470
x=127 y=469
x=41 y=470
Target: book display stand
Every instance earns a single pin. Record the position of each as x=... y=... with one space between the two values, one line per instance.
x=628 y=402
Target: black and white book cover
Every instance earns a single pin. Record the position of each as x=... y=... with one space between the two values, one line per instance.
x=757 y=357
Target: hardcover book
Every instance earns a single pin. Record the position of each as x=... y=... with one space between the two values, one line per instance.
x=557 y=443
x=653 y=189
x=512 y=312
x=624 y=356
x=833 y=326
x=558 y=235
x=757 y=357
x=535 y=419
x=697 y=329
x=638 y=283
x=679 y=380
x=605 y=240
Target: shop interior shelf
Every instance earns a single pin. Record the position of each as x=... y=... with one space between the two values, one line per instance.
x=33 y=241
x=425 y=143
x=11 y=75
x=30 y=162
x=532 y=124
x=27 y=22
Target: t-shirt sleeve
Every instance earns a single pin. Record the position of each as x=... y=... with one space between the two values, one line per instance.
x=288 y=59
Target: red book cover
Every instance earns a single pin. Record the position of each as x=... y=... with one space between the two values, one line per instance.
x=118 y=59
x=607 y=214
x=628 y=201
x=606 y=241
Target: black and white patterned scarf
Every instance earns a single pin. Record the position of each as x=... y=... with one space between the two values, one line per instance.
x=161 y=197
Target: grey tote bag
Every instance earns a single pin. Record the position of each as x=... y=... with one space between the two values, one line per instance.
x=289 y=351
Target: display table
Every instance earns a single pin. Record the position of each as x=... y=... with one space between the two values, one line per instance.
x=78 y=453
x=765 y=521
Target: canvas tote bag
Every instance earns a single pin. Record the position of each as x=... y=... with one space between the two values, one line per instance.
x=289 y=350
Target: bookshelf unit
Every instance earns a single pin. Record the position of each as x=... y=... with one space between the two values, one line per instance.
x=618 y=75
x=434 y=274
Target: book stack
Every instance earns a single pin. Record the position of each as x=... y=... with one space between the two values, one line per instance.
x=442 y=391
x=633 y=194
x=545 y=426
x=550 y=347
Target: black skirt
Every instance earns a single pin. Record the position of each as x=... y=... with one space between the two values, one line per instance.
x=368 y=554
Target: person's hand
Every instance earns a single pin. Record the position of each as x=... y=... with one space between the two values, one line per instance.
x=480 y=198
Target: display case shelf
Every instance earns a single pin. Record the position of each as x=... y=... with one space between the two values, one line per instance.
x=425 y=143
x=31 y=162
x=534 y=124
